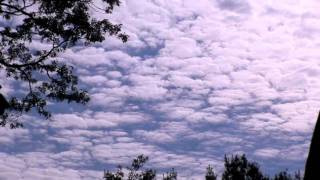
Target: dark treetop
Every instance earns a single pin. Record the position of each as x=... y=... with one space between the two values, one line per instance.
x=61 y=24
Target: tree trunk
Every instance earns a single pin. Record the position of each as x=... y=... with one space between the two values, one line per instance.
x=312 y=169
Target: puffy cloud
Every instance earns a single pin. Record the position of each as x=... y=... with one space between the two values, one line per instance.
x=195 y=81
x=267 y=153
x=237 y=5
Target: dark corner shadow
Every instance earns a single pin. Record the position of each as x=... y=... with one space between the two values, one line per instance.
x=312 y=168
x=3 y=103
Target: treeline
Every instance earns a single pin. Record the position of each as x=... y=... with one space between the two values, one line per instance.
x=235 y=168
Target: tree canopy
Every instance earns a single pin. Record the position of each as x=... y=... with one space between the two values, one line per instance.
x=236 y=167
x=60 y=25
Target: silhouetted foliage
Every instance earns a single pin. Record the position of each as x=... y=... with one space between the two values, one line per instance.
x=59 y=24
x=298 y=176
x=114 y=176
x=136 y=165
x=171 y=175
x=312 y=168
x=235 y=168
x=284 y=175
x=135 y=171
x=238 y=167
x=4 y=105
x=210 y=175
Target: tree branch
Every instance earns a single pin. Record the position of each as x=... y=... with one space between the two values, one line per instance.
x=41 y=59
x=21 y=10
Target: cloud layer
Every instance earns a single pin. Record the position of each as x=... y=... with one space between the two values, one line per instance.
x=194 y=82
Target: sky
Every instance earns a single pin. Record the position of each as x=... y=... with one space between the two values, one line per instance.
x=196 y=80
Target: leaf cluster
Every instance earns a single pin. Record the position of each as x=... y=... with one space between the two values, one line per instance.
x=60 y=25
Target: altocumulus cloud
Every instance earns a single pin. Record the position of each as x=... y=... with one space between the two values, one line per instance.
x=195 y=81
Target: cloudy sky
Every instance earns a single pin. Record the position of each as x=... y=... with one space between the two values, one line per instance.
x=196 y=80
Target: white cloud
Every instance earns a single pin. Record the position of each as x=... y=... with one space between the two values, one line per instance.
x=195 y=81
x=267 y=153
x=181 y=48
